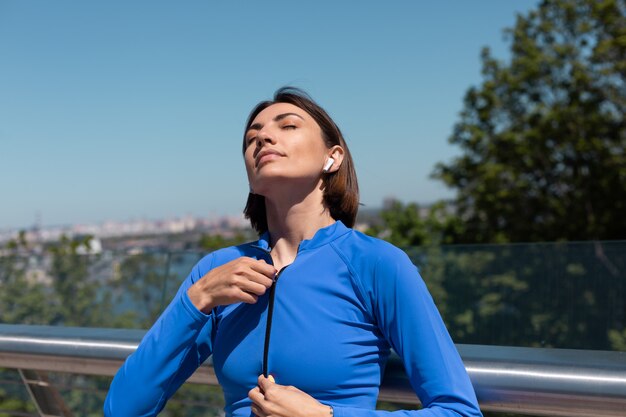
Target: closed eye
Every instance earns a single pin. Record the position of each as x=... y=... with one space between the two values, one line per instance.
x=289 y=127
x=250 y=140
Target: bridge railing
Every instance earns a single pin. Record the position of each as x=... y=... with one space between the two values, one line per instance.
x=532 y=381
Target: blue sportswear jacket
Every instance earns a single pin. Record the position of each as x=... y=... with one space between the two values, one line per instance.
x=336 y=312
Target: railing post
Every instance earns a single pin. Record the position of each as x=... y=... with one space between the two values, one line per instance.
x=46 y=398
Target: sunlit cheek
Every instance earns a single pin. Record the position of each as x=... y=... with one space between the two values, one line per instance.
x=249 y=169
x=249 y=163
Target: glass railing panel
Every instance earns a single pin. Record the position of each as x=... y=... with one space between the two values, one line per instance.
x=563 y=295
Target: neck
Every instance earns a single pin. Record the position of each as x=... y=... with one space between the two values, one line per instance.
x=292 y=219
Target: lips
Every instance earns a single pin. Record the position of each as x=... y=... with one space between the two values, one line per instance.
x=266 y=155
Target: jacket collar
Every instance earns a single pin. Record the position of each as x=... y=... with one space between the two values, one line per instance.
x=322 y=237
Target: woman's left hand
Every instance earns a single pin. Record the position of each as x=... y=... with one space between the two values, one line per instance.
x=270 y=399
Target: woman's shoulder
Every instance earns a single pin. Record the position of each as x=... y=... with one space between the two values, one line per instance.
x=361 y=244
x=366 y=253
x=377 y=267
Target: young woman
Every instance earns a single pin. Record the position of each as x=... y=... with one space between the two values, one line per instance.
x=300 y=322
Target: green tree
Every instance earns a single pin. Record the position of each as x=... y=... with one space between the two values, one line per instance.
x=77 y=299
x=211 y=242
x=401 y=225
x=142 y=283
x=407 y=225
x=24 y=298
x=543 y=138
x=543 y=142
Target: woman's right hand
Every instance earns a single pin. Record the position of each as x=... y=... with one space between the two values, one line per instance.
x=241 y=280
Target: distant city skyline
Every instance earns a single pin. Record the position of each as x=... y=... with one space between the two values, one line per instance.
x=127 y=228
x=127 y=110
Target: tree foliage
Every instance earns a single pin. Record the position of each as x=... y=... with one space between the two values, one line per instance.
x=75 y=292
x=211 y=242
x=23 y=299
x=407 y=225
x=543 y=142
x=142 y=285
x=543 y=138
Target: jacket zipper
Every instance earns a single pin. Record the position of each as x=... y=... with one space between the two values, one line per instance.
x=268 y=327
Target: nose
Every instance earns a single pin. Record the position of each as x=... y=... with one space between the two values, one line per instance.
x=263 y=137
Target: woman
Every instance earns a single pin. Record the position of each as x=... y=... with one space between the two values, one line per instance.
x=300 y=322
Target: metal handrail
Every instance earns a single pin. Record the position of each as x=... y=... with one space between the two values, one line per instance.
x=547 y=382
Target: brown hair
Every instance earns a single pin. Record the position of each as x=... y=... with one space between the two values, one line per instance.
x=341 y=189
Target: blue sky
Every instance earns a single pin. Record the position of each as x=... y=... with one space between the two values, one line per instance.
x=121 y=110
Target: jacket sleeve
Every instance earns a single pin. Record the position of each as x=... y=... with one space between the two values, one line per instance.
x=409 y=320
x=175 y=346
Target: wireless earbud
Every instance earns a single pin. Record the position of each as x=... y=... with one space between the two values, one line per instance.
x=329 y=163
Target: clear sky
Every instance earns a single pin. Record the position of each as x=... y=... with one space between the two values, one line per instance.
x=118 y=110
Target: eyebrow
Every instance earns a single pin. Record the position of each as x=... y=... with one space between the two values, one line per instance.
x=257 y=126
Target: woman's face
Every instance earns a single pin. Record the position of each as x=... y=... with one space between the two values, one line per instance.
x=284 y=142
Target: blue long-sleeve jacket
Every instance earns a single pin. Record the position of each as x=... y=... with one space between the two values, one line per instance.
x=337 y=310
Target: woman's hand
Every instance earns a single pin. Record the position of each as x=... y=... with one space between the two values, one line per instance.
x=241 y=280
x=272 y=400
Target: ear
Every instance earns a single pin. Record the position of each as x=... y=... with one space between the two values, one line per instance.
x=337 y=153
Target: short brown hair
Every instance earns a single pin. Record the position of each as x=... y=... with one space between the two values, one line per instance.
x=341 y=188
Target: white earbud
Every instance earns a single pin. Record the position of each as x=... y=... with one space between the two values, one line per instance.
x=329 y=163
